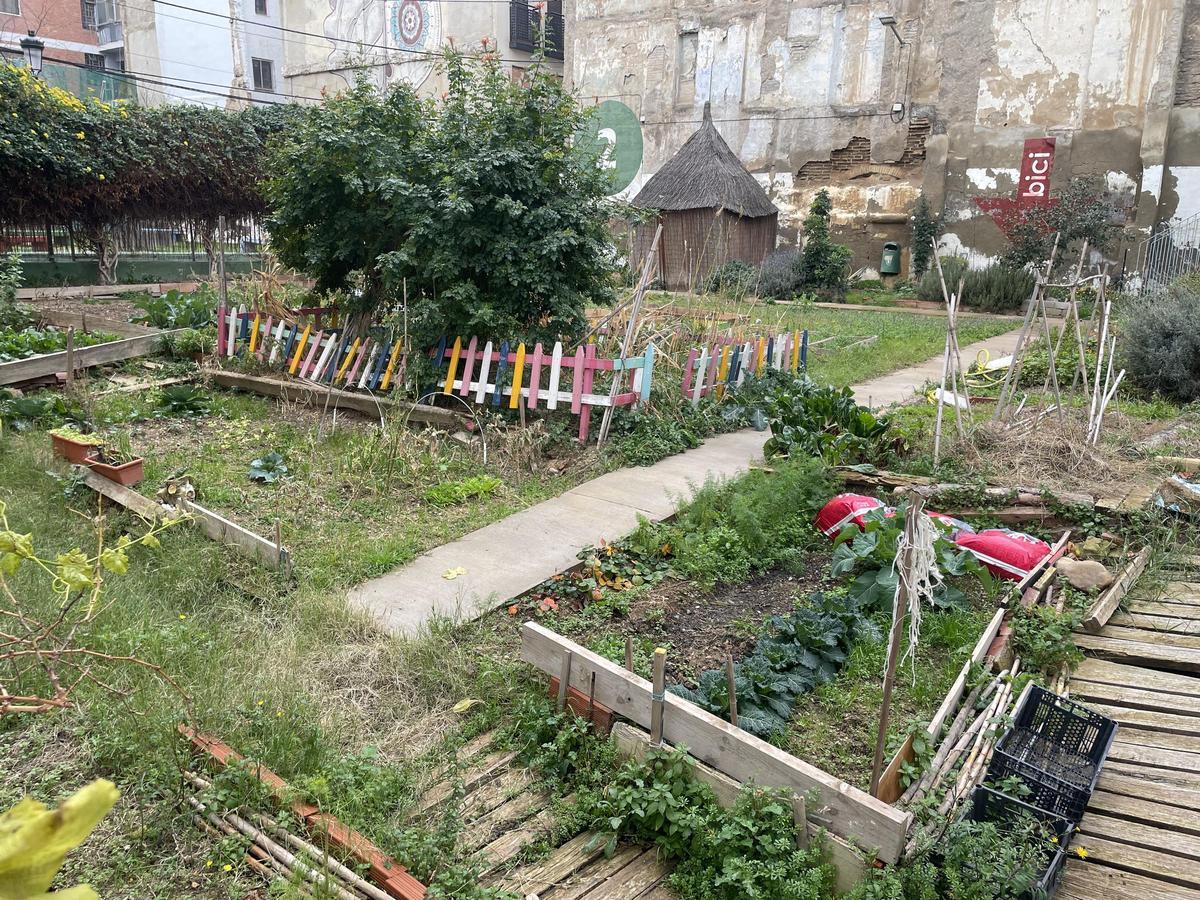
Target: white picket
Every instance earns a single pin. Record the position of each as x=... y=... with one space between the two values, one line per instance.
x=701 y=376
x=746 y=362
x=555 y=372
x=330 y=344
x=233 y=323
x=485 y=368
x=276 y=347
x=369 y=365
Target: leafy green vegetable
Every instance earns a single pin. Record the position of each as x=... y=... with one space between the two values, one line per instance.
x=798 y=653
x=819 y=420
x=178 y=310
x=184 y=400
x=268 y=469
x=35 y=341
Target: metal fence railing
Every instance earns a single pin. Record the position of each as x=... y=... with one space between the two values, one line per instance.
x=1171 y=251
x=158 y=238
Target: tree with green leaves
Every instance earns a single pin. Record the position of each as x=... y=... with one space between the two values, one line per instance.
x=925 y=229
x=824 y=265
x=477 y=206
x=1080 y=211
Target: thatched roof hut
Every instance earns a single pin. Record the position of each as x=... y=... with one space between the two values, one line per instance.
x=712 y=210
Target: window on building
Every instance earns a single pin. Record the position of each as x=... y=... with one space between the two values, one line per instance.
x=263 y=71
x=260 y=7
x=93 y=60
x=11 y=7
x=87 y=9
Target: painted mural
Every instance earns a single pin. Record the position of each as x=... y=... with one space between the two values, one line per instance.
x=404 y=35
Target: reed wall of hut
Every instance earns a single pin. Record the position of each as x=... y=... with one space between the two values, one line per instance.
x=695 y=242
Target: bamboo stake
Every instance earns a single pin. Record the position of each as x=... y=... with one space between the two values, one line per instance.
x=316 y=854
x=899 y=605
x=956 y=728
x=275 y=850
x=635 y=311
x=1012 y=376
x=937 y=427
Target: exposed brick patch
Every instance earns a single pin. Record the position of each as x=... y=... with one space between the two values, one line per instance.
x=854 y=160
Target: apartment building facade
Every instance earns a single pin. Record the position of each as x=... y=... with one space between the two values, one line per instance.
x=82 y=43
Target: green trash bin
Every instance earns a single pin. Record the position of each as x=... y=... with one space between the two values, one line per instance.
x=889 y=263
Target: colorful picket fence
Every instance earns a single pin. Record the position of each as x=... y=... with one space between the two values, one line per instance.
x=496 y=375
x=309 y=351
x=492 y=374
x=727 y=361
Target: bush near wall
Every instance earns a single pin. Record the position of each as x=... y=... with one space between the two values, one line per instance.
x=998 y=288
x=1159 y=343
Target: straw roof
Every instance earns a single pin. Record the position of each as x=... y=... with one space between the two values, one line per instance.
x=705 y=174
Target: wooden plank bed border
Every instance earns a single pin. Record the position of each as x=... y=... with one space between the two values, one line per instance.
x=842 y=808
x=85 y=357
x=318 y=395
x=1106 y=604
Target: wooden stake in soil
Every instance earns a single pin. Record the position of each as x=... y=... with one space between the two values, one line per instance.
x=564 y=681
x=733 y=720
x=659 y=681
x=70 y=355
x=629 y=653
x=899 y=605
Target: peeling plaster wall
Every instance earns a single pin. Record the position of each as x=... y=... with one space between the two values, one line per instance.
x=802 y=91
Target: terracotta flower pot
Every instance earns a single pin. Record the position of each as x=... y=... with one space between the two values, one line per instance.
x=129 y=473
x=78 y=452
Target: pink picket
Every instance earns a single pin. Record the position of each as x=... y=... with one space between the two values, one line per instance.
x=535 y=375
x=468 y=368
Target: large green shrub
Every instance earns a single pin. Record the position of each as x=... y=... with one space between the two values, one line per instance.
x=824 y=265
x=1160 y=344
x=924 y=230
x=478 y=204
x=733 y=278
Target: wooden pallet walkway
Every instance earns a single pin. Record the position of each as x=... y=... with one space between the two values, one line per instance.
x=504 y=813
x=1141 y=831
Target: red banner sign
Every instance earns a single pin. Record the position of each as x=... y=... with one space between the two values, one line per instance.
x=1033 y=184
x=1033 y=188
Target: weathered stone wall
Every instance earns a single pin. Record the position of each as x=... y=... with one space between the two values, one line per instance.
x=804 y=90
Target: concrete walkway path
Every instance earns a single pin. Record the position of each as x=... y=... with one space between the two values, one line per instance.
x=507 y=558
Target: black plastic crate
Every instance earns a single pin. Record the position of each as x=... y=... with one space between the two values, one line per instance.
x=987 y=805
x=1056 y=747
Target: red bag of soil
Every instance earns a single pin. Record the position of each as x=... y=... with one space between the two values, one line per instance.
x=843 y=510
x=1006 y=554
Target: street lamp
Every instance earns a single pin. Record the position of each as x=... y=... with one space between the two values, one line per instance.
x=32 y=47
x=890 y=22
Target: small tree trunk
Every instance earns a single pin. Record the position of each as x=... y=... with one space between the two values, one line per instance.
x=104 y=242
x=208 y=240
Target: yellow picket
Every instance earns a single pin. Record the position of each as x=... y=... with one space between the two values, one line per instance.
x=762 y=356
x=722 y=371
x=300 y=345
x=795 y=351
x=518 y=371
x=387 y=376
x=448 y=388
x=346 y=362
x=254 y=333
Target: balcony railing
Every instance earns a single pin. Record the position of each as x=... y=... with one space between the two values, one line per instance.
x=528 y=24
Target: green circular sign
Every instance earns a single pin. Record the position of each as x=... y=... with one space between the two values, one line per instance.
x=614 y=137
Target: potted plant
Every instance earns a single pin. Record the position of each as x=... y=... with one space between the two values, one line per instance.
x=117 y=464
x=194 y=343
x=73 y=445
